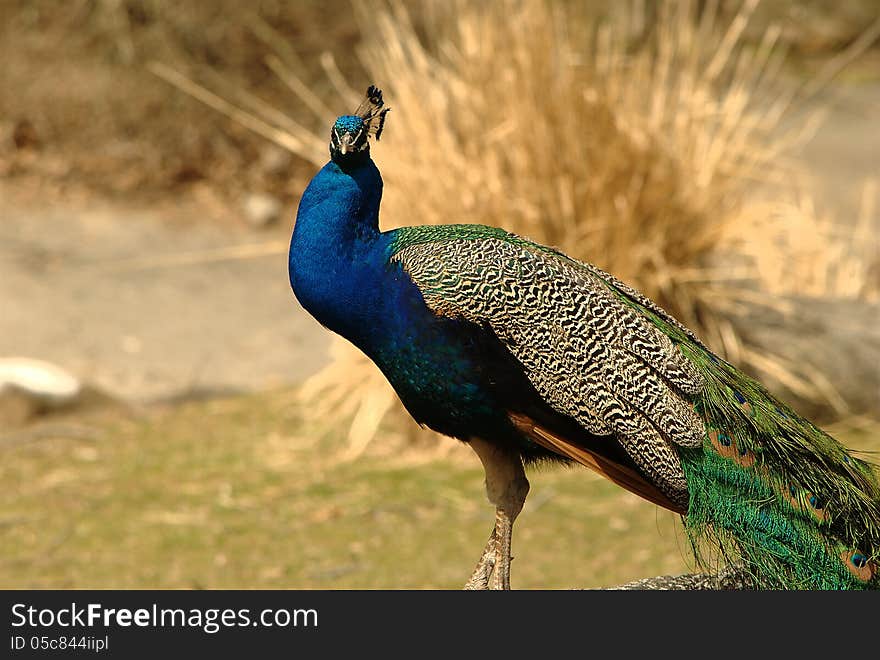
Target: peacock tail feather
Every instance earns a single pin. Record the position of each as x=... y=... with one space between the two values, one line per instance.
x=797 y=507
x=772 y=489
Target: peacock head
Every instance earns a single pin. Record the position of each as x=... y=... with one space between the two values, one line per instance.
x=350 y=135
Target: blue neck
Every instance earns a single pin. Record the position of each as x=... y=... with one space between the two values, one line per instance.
x=341 y=199
x=337 y=251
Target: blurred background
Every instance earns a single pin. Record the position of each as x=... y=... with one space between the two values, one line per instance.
x=170 y=417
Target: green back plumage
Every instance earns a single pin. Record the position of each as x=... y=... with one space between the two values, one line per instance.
x=405 y=237
x=764 y=486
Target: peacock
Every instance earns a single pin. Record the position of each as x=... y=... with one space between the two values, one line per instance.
x=529 y=355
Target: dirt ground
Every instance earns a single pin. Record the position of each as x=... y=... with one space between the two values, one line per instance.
x=152 y=302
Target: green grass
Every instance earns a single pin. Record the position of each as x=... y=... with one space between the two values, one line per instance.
x=234 y=494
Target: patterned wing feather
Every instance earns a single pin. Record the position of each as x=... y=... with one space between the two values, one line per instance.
x=587 y=353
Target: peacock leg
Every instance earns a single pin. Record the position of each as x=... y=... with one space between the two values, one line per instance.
x=480 y=578
x=506 y=488
x=501 y=574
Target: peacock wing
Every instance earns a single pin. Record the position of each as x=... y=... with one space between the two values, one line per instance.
x=587 y=351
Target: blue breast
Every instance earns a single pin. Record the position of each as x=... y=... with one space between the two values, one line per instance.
x=340 y=272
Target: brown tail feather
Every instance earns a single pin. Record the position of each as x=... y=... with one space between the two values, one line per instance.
x=622 y=475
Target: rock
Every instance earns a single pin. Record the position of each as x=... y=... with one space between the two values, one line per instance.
x=30 y=388
x=45 y=385
x=262 y=209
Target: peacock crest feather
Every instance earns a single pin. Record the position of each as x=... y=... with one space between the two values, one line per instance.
x=351 y=134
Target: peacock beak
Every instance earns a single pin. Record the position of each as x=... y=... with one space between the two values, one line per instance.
x=345 y=143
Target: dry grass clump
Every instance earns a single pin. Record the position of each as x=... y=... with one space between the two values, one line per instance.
x=630 y=141
x=803 y=252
